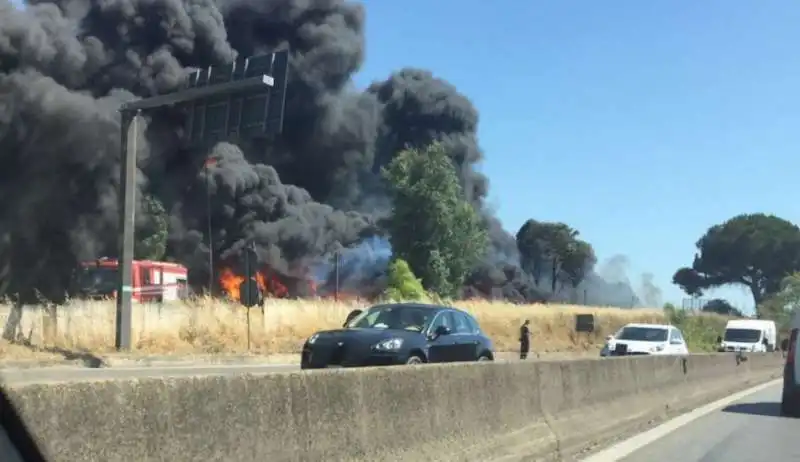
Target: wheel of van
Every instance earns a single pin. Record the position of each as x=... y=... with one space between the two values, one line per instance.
x=484 y=357
x=790 y=405
x=415 y=359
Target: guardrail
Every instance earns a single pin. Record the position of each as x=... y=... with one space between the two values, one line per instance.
x=479 y=411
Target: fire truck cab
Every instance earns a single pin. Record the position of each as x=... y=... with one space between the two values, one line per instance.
x=153 y=281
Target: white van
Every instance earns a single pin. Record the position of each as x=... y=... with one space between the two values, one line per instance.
x=749 y=335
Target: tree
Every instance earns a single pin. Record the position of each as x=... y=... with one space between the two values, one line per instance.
x=782 y=304
x=554 y=249
x=432 y=226
x=578 y=261
x=402 y=284
x=721 y=306
x=530 y=243
x=152 y=231
x=755 y=250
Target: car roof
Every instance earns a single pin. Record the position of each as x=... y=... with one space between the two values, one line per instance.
x=656 y=326
x=419 y=305
x=750 y=322
x=424 y=306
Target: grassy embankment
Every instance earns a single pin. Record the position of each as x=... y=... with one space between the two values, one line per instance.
x=210 y=326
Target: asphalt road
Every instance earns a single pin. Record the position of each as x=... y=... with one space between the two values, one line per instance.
x=80 y=374
x=749 y=430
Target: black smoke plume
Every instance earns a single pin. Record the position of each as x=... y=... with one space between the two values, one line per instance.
x=314 y=191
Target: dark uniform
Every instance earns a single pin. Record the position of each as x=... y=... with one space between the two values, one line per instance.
x=524 y=340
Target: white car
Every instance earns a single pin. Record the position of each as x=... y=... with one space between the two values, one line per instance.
x=646 y=339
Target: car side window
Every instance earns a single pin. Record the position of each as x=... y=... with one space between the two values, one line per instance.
x=461 y=323
x=442 y=319
x=473 y=324
x=676 y=336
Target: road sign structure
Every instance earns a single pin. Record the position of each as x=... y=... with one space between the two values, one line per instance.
x=239 y=114
x=242 y=100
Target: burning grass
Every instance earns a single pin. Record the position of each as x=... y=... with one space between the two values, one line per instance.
x=212 y=326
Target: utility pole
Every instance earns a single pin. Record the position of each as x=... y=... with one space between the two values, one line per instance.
x=130 y=121
x=336 y=275
x=210 y=237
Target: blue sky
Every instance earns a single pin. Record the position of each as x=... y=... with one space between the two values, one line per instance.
x=639 y=123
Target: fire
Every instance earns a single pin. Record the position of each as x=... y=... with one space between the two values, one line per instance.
x=230 y=282
x=272 y=286
x=276 y=285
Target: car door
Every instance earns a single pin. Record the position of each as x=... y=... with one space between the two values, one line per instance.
x=441 y=347
x=684 y=347
x=465 y=341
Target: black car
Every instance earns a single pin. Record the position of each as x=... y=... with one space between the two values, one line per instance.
x=399 y=333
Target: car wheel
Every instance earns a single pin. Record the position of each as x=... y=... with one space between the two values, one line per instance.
x=484 y=358
x=414 y=359
x=790 y=407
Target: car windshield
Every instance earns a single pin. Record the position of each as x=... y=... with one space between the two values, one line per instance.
x=403 y=317
x=742 y=335
x=97 y=278
x=642 y=334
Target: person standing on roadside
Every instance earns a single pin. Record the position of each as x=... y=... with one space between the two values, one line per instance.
x=524 y=339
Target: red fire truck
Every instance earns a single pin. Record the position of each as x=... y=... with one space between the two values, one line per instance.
x=153 y=281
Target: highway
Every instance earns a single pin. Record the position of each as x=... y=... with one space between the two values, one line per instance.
x=749 y=430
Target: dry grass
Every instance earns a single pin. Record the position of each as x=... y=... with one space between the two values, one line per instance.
x=211 y=326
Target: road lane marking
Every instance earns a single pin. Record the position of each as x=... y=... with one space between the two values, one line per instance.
x=629 y=446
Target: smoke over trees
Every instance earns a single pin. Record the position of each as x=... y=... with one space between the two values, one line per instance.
x=67 y=65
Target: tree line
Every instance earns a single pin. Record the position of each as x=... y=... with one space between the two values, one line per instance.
x=758 y=251
x=442 y=237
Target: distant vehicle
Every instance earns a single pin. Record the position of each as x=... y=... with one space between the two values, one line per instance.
x=399 y=333
x=749 y=335
x=153 y=281
x=790 y=398
x=646 y=339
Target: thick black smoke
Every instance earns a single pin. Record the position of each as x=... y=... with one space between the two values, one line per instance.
x=66 y=65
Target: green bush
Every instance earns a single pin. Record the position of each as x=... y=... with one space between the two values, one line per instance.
x=402 y=284
x=700 y=330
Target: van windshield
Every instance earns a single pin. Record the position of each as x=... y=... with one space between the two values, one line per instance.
x=742 y=335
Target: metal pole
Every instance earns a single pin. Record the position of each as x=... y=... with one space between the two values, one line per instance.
x=336 y=276
x=210 y=238
x=127 y=223
x=248 y=276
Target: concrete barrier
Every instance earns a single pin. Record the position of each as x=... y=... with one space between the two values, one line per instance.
x=464 y=412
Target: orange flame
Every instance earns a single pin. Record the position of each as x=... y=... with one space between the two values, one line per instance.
x=270 y=286
x=230 y=281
